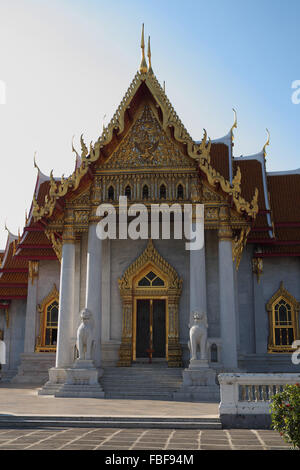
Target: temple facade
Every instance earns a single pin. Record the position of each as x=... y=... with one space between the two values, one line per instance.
x=142 y=292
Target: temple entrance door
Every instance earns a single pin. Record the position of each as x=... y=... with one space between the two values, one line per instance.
x=150 y=328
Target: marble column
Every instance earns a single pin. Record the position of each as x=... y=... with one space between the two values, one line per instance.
x=30 y=321
x=227 y=293
x=64 y=353
x=197 y=280
x=105 y=328
x=93 y=287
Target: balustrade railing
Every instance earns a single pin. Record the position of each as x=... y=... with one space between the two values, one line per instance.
x=251 y=393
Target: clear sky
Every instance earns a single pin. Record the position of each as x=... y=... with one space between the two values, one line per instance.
x=67 y=63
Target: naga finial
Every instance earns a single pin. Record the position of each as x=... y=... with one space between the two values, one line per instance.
x=236 y=182
x=205 y=147
x=143 y=66
x=73 y=148
x=84 y=149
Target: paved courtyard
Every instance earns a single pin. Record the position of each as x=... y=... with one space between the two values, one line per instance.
x=138 y=439
x=23 y=400
x=19 y=401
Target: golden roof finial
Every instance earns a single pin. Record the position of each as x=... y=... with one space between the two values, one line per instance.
x=267 y=143
x=73 y=148
x=34 y=162
x=143 y=66
x=149 y=56
x=234 y=126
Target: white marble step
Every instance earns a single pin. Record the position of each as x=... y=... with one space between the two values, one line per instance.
x=138 y=382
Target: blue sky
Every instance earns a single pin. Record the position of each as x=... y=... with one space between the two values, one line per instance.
x=67 y=63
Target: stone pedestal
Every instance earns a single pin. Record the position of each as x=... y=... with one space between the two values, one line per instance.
x=199 y=383
x=198 y=364
x=79 y=381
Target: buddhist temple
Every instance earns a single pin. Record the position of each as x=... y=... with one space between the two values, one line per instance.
x=142 y=292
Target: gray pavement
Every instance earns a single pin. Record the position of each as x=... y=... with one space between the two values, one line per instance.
x=138 y=439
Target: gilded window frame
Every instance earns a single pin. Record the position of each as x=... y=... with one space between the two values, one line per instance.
x=53 y=296
x=284 y=294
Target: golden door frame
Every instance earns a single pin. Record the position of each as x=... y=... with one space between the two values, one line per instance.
x=149 y=297
x=150 y=259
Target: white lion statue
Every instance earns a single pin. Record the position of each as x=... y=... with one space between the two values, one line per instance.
x=85 y=341
x=198 y=335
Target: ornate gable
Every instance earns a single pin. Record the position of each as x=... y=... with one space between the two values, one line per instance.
x=146 y=145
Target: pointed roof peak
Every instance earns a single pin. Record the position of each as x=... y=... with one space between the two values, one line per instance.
x=143 y=66
x=149 y=56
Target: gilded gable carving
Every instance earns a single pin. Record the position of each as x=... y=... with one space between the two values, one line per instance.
x=81 y=200
x=147 y=145
x=209 y=195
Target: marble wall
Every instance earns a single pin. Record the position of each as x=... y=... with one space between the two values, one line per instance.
x=253 y=317
x=14 y=334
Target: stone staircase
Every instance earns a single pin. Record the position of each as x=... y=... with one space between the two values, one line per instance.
x=141 y=381
x=7 y=375
x=34 y=368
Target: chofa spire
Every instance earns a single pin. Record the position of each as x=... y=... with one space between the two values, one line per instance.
x=143 y=66
x=234 y=126
x=149 y=56
x=267 y=143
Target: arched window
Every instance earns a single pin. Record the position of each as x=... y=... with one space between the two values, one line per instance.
x=145 y=194
x=151 y=280
x=51 y=324
x=162 y=192
x=47 y=339
x=283 y=310
x=128 y=192
x=180 y=191
x=111 y=193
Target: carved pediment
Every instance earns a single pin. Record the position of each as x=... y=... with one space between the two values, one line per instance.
x=208 y=195
x=147 y=145
x=82 y=199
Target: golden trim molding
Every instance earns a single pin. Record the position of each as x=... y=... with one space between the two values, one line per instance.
x=33 y=270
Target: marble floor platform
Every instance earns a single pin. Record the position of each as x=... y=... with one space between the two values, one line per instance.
x=20 y=399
